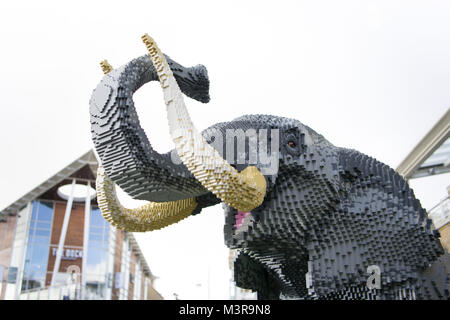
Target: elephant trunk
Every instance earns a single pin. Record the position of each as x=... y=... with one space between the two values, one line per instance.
x=122 y=145
x=128 y=159
x=153 y=215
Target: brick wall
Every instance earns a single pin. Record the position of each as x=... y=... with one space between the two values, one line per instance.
x=132 y=275
x=74 y=237
x=117 y=261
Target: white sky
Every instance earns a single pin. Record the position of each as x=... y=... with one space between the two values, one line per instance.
x=368 y=75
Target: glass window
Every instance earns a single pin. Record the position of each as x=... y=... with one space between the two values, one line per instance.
x=36 y=258
x=46 y=211
x=42 y=233
x=97 y=219
x=97 y=256
x=42 y=240
x=125 y=268
x=96 y=237
x=96 y=229
x=43 y=225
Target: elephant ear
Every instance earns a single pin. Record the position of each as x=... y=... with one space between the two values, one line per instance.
x=377 y=222
x=434 y=282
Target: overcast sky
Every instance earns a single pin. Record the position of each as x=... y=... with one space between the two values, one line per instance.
x=368 y=75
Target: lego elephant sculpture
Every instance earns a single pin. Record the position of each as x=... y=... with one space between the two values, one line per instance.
x=309 y=219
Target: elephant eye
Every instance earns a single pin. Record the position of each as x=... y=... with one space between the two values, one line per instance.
x=292 y=143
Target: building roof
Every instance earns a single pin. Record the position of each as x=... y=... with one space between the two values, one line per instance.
x=431 y=155
x=86 y=159
x=76 y=170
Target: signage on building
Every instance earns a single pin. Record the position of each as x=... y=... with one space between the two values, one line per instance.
x=69 y=254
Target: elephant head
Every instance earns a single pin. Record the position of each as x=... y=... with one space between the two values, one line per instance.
x=308 y=217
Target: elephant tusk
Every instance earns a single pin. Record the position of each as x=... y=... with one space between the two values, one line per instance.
x=242 y=190
x=149 y=217
x=106 y=67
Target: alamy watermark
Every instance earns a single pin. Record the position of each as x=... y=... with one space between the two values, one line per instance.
x=374 y=280
x=250 y=146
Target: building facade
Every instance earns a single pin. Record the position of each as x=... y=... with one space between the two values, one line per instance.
x=440 y=214
x=95 y=260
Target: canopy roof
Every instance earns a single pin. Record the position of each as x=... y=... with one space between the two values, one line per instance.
x=82 y=169
x=431 y=155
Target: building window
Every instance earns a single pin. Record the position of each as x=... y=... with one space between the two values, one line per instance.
x=97 y=257
x=125 y=268
x=146 y=286
x=110 y=268
x=137 y=282
x=36 y=258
